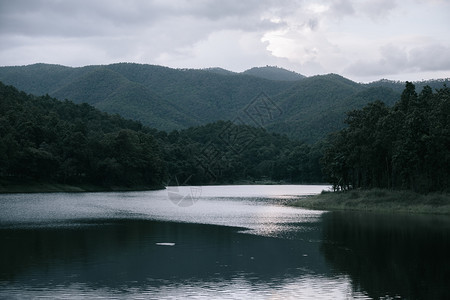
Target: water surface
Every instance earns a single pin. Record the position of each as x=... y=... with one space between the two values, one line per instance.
x=230 y=242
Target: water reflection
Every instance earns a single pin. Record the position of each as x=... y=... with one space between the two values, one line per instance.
x=244 y=245
x=129 y=249
x=394 y=255
x=141 y=256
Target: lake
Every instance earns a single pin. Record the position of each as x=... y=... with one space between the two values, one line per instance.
x=215 y=242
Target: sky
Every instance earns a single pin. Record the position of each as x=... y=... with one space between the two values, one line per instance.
x=363 y=40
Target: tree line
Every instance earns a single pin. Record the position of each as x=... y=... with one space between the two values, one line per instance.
x=406 y=146
x=225 y=153
x=47 y=140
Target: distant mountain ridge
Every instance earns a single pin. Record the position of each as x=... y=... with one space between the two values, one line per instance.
x=167 y=99
x=267 y=72
x=274 y=73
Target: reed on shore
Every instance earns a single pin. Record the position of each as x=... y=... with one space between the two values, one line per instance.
x=379 y=200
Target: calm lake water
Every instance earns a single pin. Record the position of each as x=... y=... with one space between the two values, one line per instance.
x=215 y=242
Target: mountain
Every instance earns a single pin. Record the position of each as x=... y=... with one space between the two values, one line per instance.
x=398 y=86
x=47 y=141
x=274 y=73
x=305 y=108
x=317 y=105
x=157 y=96
x=220 y=71
x=112 y=92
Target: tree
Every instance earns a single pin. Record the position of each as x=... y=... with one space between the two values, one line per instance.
x=404 y=147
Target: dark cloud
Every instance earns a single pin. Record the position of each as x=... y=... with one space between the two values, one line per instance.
x=374 y=9
x=72 y=18
x=342 y=8
x=318 y=36
x=313 y=24
x=88 y=18
x=377 y=9
x=127 y=30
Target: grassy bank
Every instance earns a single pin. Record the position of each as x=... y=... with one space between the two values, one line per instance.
x=378 y=200
x=42 y=187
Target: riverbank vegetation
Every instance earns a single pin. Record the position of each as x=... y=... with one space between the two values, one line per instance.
x=391 y=159
x=379 y=200
x=54 y=187
x=403 y=147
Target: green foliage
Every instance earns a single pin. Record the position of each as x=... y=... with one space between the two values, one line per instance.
x=49 y=141
x=399 y=86
x=401 y=147
x=173 y=99
x=43 y=139
x=379 y=200
x=205 y=154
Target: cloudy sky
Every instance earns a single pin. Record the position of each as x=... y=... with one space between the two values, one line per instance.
x=363 y=40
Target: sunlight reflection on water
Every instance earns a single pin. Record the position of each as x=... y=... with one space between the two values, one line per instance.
x=256 y=208
x=306 y=287
x=135 y=245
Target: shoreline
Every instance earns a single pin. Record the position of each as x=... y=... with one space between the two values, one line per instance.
x=45 y=187
x=41 y=187
x=378 y=200
x=373 y=200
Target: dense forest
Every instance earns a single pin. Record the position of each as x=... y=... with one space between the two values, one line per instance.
x=168 y=99
x=406 y=146
x=225 y=152
x=400 y=143
x=43 y=139
x=47 y=140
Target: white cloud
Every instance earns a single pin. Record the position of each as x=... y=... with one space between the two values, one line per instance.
x=433 y=57
x=395 y=60
x=231 y=49
x=362 y=39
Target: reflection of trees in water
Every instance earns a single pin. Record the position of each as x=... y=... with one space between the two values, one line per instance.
x=390 y=254
x=114 y=253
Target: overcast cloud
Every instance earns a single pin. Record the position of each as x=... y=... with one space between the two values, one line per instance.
x=363 y=40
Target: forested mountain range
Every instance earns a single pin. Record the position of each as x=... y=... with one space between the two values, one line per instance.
x=46 y=140
x=305 y=108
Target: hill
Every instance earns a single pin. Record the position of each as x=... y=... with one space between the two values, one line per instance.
x=157 y=96
x=220 y=71
x=398 y=86
x=274 y=73
x=168 y=99
x=49 y=141
x=46 y=141
x=317 y=105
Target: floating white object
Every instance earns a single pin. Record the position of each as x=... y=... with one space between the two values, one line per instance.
x=165 y=244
